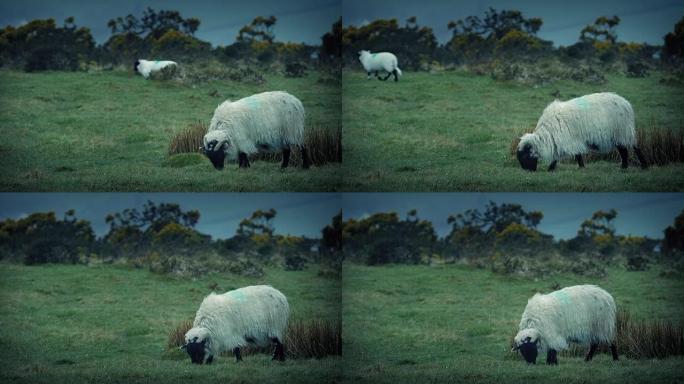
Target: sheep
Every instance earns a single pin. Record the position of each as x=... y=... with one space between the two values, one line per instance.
x=382 y=61
x=599 y=122
x=255 y=315
x=146 y=67
x=264 y=122
x=582 y=314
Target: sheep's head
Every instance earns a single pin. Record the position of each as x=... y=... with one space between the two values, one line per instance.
x=215 y=148
x=527 y=154
x=363 y=54
x=527 y=343
x=135 y=65
x=197 y=346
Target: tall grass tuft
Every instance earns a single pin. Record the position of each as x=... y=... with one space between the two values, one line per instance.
x=638 y=339
x=304 y=339
x=189 y=139
x=323 y=142
x=660 y=146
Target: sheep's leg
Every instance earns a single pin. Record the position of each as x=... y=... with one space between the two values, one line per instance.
x=624 y=155
x=243 y=160
x=369 y=75
x=279 y=353
x=210 y=359
x=306 y=160
x=396 y=75
x=387 y=77
x=580 y=161
x=552 y=357
x=592 y=350
x=613 y=351
x=286 y=158
x=552 y=166
x=641 y=157
x=238 y=356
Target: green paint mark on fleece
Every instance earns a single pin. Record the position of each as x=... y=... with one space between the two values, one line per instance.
x=252 y=102
x=561 y=296
x=237 y=295
x=582 y=102
x=374 y=54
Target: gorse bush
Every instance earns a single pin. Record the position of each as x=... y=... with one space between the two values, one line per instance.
x=323 y=142
x=304 y=339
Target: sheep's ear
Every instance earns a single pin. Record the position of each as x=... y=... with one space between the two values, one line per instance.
x=515 y=348
x=201 y=149
x=183 y=347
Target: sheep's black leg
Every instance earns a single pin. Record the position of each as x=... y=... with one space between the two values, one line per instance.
x=210 y=359
x=592 y=350
x=243 y=160
x=580 y=161
x=369 y=75
x=396 y=75
x=279 y=353
x=306 y=161
x=388 y=76
x=238 y=357
x=613 y=351
x=286 y=158
x=624 y=155
x=552 y=166
x=552 y=357
x=641 y=157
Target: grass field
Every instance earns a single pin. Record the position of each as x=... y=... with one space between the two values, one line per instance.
x=77 y=324
x=453 y=324
x=110 y=131
x=452 y=131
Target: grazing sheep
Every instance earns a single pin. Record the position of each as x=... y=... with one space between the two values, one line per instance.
x=251 y=315
x=382 y=61
x=264 y=122
x=146 y=67
x=599 y=122
x=583 y=314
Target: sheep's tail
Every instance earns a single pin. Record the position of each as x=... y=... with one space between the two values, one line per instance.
x=398 y=70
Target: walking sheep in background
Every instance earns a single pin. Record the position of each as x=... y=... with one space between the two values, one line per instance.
x=382 y=61
x=264 y=122
x=599 y=122
x=146 y=67
x=251 y=315
x=584 y=314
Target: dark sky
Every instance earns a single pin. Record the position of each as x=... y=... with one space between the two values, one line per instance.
x=642 y=21
x=638 y=213
x=298 y=20
x=298 y=213
x=307 y=213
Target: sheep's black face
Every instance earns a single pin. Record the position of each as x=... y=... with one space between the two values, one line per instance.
x=135 y=65
x=197 y=352
x=216 y=154
x=529 y=351
x=527 y=161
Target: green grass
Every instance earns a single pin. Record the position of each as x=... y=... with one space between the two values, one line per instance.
x=452 y=131
x=419 y=324
x=110 y=131
x=109 y=324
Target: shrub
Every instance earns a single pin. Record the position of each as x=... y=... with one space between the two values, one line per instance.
x=189 y=139
x=51 y=58
x=295 y=70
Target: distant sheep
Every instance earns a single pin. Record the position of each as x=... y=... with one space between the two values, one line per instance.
x=382 y=61
x=146 y=67
x=255 y=315
x=599 y=122
x=264 y=122
x=584 y=314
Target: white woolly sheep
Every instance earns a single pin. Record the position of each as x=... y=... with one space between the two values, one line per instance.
x=146 y=67
x=382 y=61
x=255 y=315
x=264 y=122
x=599 y=122
x=583 y=314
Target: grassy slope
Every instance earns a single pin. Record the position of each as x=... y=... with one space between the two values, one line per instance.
x=452 y=132
x=110 y=132
x=108 y=324
x=453 y=324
